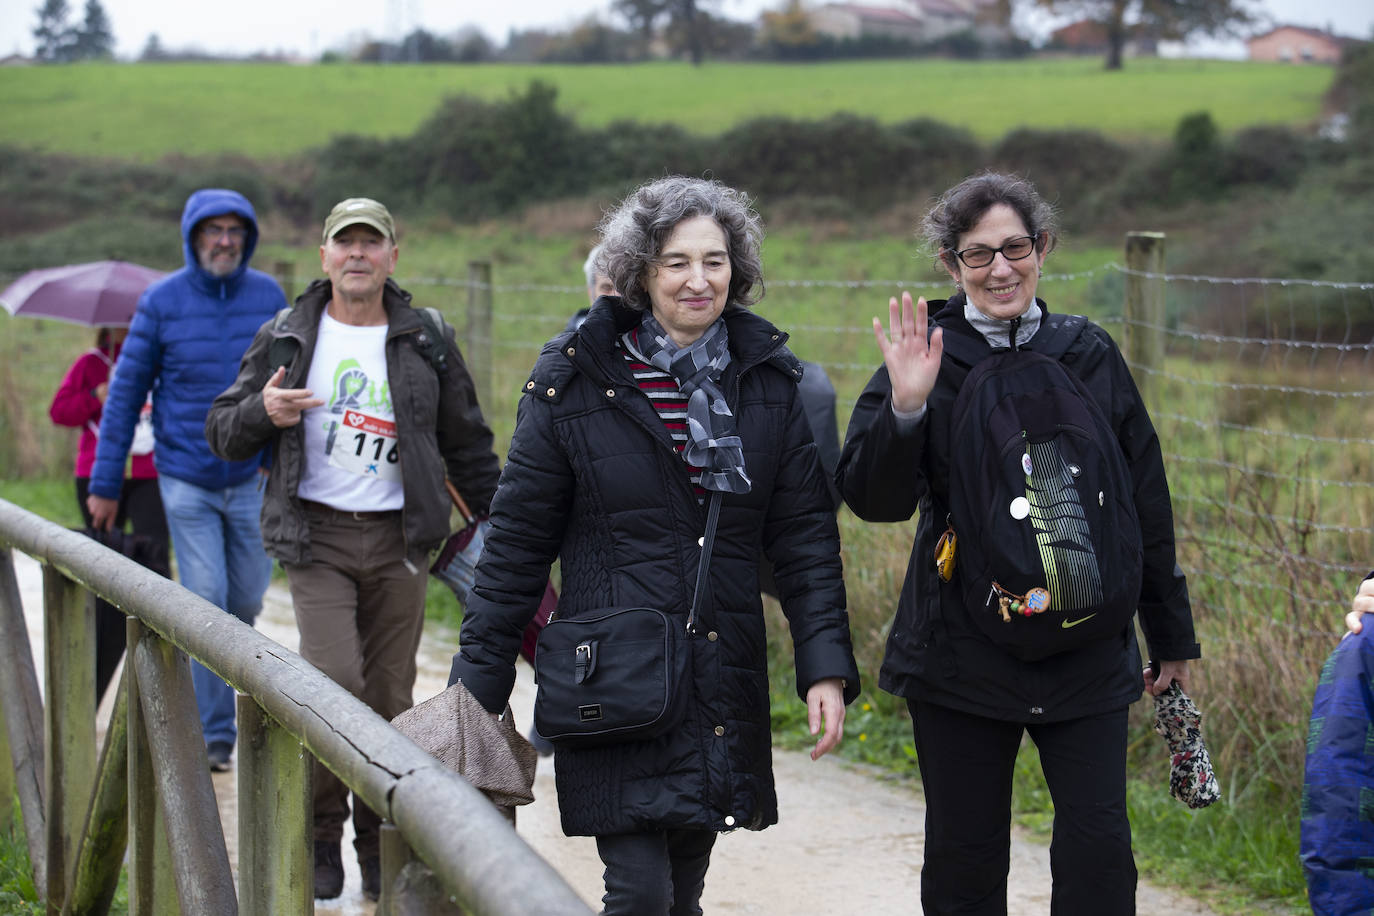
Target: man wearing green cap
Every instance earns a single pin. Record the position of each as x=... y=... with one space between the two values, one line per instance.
x=367 y=414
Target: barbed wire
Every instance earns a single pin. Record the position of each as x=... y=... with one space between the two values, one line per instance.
x=1210 y=423
x=1236 y=281
x=1273 y=556
x=1291 y=522
x=778 y=284
x=1252 y=471
x=1271 y=342
x=1249 y=386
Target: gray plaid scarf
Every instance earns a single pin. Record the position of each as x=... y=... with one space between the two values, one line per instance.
x=712 y=442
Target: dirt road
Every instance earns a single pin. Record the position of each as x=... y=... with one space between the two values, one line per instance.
x=849 y=840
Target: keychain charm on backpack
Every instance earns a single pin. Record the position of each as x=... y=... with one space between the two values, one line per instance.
x=1035 y=601
x=944 y=553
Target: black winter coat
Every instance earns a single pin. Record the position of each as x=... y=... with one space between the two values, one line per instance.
x=935 y=651
x=592 y=478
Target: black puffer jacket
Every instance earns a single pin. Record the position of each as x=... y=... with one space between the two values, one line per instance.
x=935 y=651
x=592 y=478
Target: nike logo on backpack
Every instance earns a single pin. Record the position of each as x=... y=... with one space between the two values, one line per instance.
x=1065 y=624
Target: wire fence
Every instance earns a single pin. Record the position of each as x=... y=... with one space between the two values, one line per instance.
x=1261 y=393
x=1260 y=390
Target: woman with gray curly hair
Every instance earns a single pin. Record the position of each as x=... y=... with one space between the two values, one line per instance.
x=1045 y=523
x=669 y=392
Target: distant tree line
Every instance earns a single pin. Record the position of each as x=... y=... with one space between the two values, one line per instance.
x=688 y=29
x=58 y=41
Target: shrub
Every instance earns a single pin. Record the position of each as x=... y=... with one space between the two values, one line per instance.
x=1061 y=163
x=1265 y=155
x=475 y=158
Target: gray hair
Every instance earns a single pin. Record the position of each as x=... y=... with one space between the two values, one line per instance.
x=632 y=235
x=962 y=206
x=589 y=266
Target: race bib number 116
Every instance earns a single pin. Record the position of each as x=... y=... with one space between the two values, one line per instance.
x=366 y=446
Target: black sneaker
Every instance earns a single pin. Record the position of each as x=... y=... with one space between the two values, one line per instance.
x=371 y=868
x=329 y=875
x=218 y=753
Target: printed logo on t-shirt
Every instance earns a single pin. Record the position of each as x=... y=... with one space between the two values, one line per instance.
x=363 y=439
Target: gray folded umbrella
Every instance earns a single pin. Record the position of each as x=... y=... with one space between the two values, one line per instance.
x=1177 y=719
x=487 y=752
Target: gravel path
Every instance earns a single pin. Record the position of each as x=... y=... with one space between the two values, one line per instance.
x=849 y=838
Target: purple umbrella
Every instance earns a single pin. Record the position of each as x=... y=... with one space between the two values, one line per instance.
x=98 y=294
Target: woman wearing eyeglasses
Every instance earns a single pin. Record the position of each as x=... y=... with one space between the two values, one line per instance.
x=981 y=656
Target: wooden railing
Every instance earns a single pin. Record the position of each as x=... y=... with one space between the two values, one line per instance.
x=148 y=792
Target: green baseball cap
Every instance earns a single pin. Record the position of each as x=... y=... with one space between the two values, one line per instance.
x=356 y=210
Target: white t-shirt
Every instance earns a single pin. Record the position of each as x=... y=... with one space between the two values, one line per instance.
x=352 y=456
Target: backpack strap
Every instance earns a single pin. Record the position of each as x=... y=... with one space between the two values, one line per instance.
x=282 y=349
x=1057 y=334
x=431 y=341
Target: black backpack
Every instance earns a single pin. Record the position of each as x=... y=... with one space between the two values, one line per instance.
x=1048 y=554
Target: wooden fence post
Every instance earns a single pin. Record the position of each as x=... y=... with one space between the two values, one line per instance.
x=7 y=784
x=286 y=274
x=23 y=719
x=68 y=723
x=478 y=345
x=274 y=815
x=100 y=857
x=152 y=890
x=1144 y=307
x=190 y=814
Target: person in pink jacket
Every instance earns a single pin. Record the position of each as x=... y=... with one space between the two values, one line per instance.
x=78 y=403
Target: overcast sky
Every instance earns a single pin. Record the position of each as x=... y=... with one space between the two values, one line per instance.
x=311 y=26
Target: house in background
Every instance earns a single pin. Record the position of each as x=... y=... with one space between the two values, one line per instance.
x=916 y=21
x=1297 y=44
x=852 y=21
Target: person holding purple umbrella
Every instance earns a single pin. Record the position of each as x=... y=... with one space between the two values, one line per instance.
x=78 y=403
x=187 y=336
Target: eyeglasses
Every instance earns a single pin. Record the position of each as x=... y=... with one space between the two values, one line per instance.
x=1013 y=250
x=215 y=233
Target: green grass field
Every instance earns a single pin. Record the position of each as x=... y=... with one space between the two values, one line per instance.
x=269 y=110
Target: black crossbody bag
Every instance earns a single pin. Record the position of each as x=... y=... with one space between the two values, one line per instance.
x=618 y=674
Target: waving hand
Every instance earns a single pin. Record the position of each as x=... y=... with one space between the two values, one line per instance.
x=912 y=362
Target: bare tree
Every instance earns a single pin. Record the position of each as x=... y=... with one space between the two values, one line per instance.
x=1155 y=19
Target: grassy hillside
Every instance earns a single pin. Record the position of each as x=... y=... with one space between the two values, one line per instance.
x=147 y=111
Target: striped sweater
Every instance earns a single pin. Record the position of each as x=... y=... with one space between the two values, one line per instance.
x=668 y=400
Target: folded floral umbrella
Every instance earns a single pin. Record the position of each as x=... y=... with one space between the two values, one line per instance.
x=456 y=567
x=1179 y=722
x=97 y=294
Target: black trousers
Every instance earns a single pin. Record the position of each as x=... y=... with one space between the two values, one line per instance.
x=140 y=504
x=966 y=768
x=660 y=873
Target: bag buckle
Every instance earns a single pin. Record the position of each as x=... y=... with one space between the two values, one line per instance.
x=584 y=661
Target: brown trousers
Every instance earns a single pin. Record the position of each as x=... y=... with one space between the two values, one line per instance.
x=360 y=610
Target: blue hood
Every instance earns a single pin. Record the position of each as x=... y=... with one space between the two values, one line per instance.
x=208 y=202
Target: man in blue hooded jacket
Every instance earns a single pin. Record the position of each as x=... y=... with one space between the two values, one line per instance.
x=188 y=334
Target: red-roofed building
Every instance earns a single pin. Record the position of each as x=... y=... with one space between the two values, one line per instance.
x=1297 y=44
